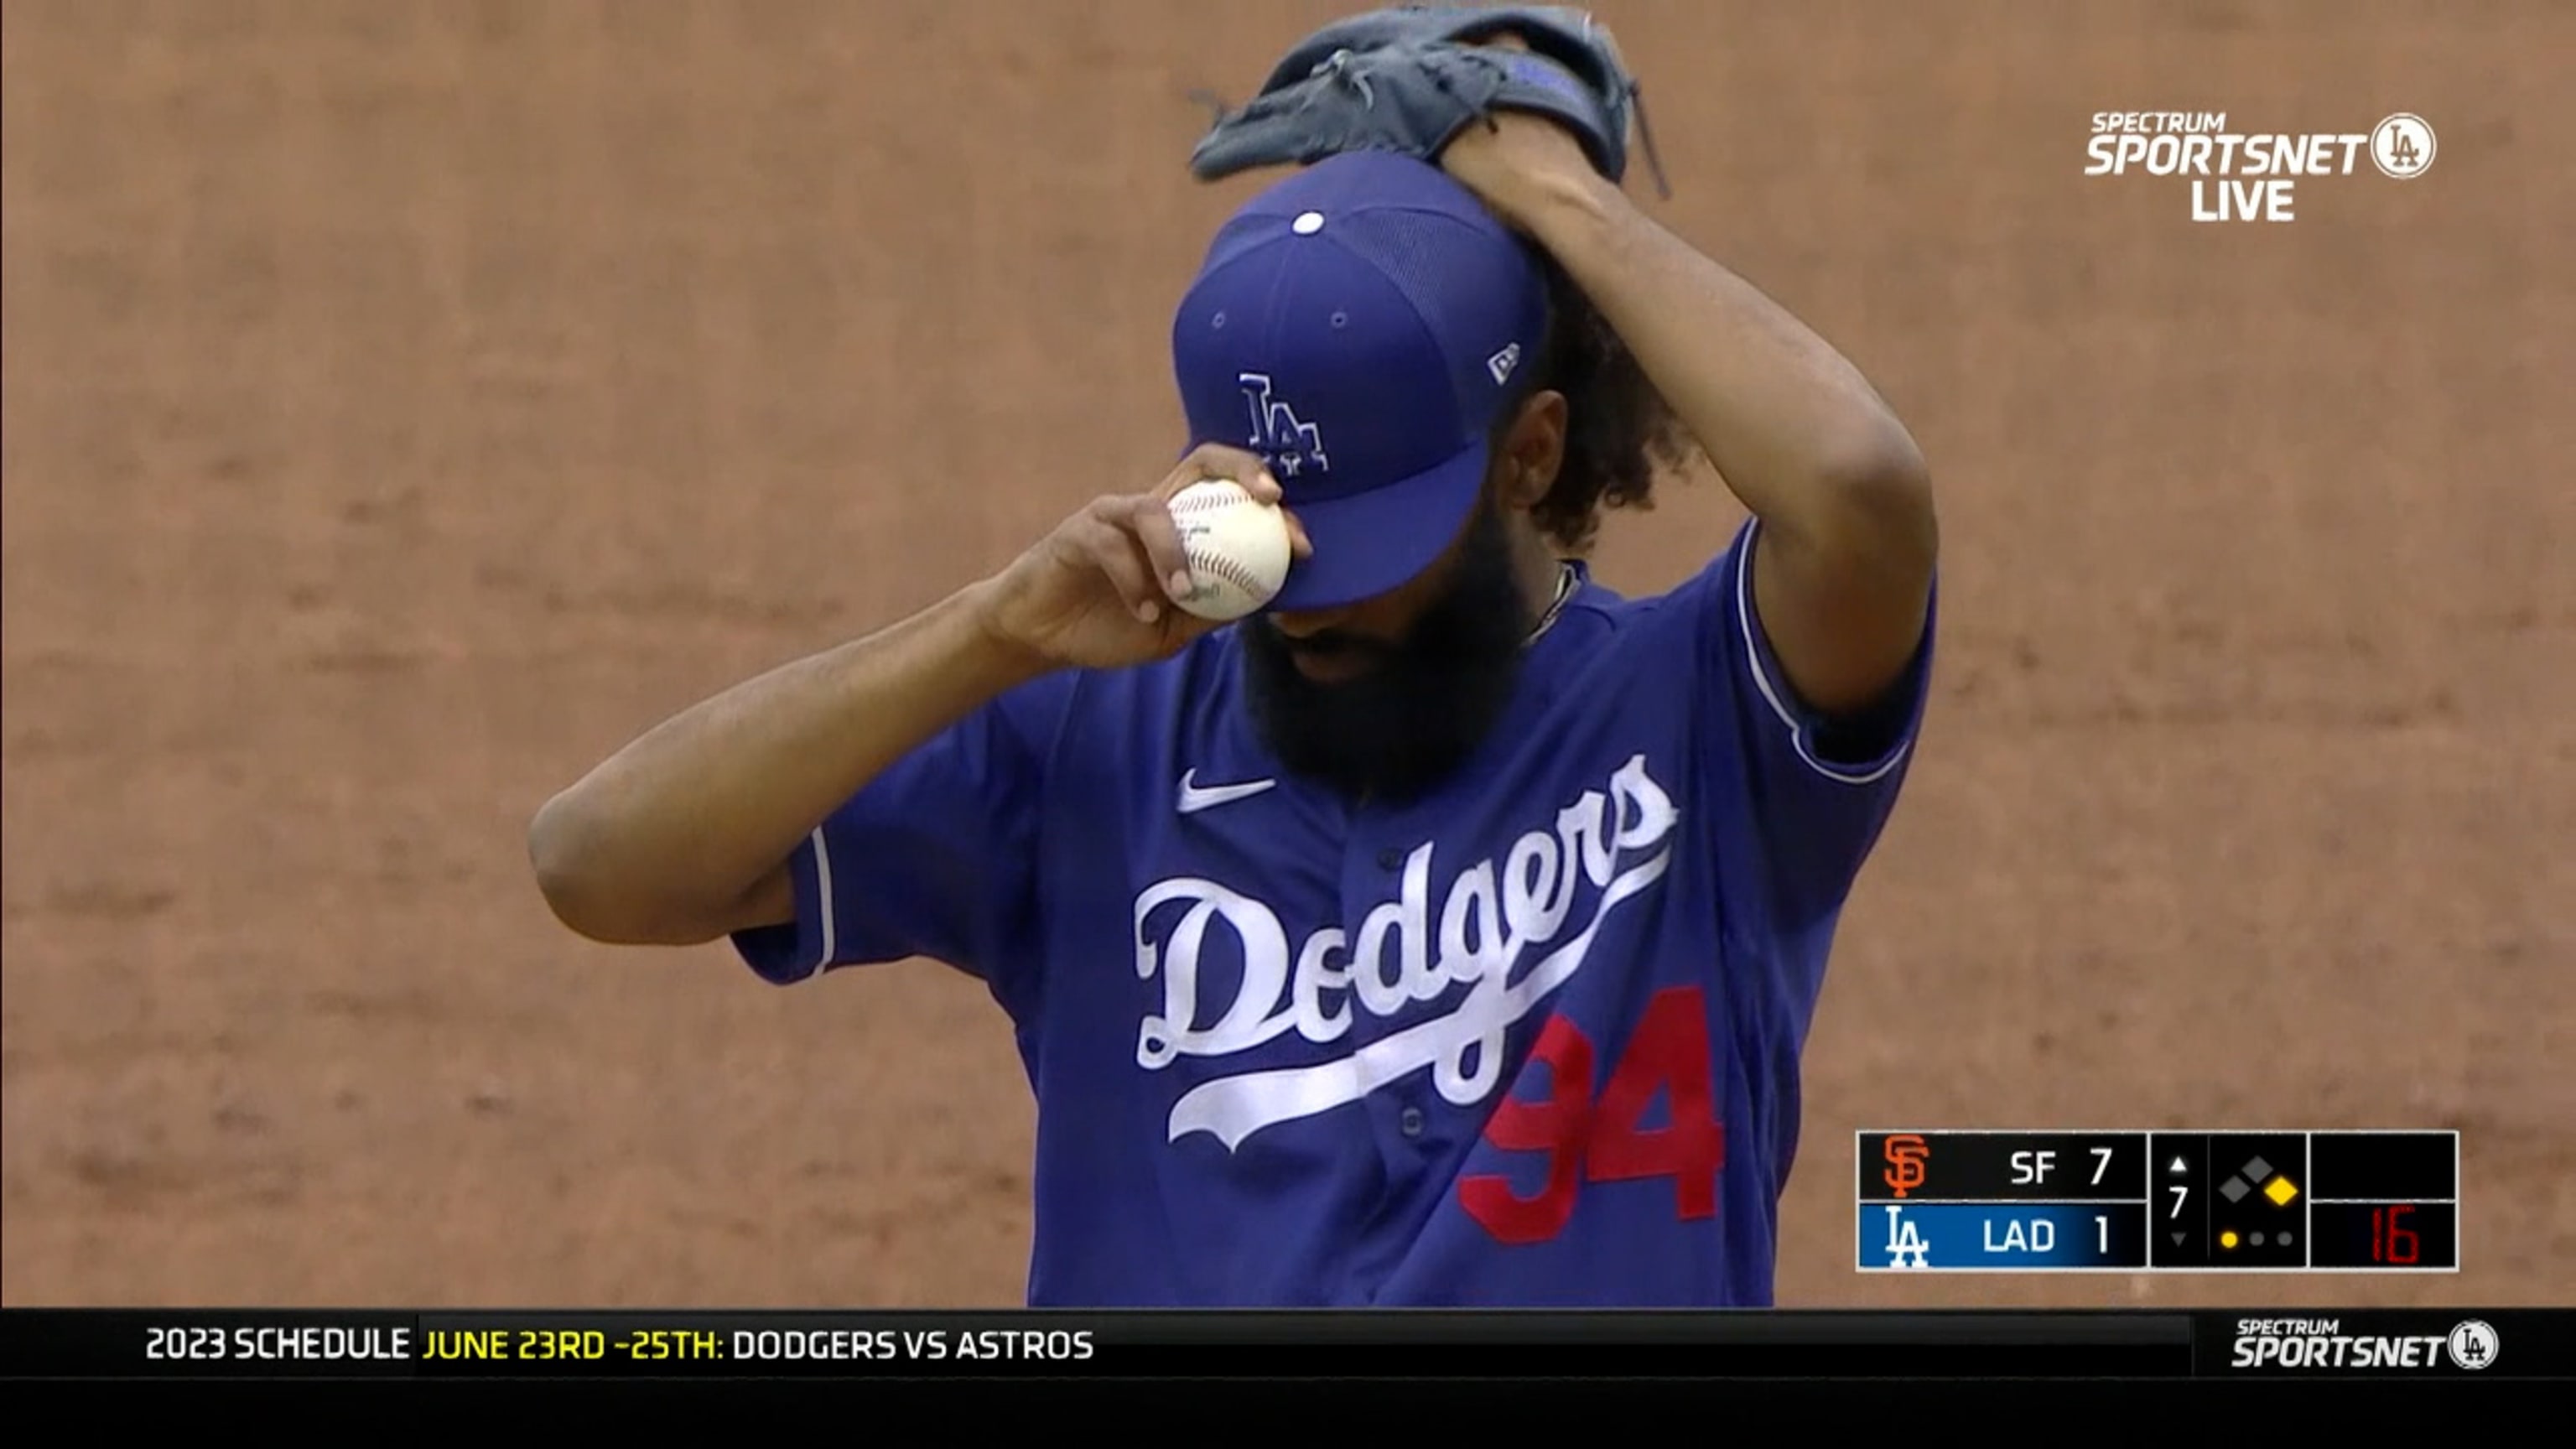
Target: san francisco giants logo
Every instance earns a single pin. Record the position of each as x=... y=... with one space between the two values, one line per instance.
x=1908 y=1159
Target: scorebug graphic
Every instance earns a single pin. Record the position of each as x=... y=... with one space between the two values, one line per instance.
x=2131 y=1202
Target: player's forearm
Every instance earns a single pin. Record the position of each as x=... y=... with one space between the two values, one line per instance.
x=664 y=841
x=1799 y=435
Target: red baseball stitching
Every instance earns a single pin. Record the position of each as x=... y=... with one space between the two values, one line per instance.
x=1222 y=567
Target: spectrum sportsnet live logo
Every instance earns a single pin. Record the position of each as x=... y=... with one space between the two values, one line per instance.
x=2251 y=175
x=2310 y=1345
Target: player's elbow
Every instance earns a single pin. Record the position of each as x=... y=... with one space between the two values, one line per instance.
x=1879 y=498
x=571 y=850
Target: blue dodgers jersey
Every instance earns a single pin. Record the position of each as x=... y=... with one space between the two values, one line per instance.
x=1531 y=1041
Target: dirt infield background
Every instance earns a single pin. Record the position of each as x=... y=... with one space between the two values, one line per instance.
x=406 y=403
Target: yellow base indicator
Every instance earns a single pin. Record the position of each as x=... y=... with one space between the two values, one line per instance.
x=2280 y=1192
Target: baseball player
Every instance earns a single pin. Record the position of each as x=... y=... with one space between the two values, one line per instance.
x=1447 y=933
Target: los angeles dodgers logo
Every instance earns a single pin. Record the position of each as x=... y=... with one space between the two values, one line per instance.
x=1496 y=914
x=1288 y=443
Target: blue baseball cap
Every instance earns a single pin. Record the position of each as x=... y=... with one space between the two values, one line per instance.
x=1359 y=325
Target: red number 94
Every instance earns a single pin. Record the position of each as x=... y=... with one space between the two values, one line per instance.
x=1598 y=1139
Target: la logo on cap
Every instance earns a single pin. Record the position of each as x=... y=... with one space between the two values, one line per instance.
x=1285 y=441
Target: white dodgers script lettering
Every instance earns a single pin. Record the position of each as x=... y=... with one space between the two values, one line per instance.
x=1495 y=916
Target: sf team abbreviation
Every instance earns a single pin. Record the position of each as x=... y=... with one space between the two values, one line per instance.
x=2114 y=1201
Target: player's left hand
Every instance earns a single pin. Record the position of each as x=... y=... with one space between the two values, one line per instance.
x=1517 y=157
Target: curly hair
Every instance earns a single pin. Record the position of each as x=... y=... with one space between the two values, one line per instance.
x=1619 y=428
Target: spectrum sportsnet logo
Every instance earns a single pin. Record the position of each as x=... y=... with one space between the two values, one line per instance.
x=2250 y=176
x=2321 y=1343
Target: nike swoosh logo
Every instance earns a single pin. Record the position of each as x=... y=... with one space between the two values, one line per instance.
x=1196 y=797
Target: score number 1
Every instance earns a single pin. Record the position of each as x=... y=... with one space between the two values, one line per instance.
x=2101 y=1224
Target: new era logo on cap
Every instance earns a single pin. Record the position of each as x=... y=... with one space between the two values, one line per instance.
x=1359 y=325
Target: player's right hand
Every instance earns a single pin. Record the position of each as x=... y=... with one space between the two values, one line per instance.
x=1099 y=591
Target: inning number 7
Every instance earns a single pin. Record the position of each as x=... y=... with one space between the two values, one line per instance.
x=2180 y=1192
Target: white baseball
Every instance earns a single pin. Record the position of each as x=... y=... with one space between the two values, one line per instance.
x=1237 y=547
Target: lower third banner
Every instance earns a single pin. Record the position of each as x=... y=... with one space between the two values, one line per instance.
x=201 y=1344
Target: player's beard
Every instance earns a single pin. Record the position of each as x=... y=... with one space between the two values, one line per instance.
x=1398 y=728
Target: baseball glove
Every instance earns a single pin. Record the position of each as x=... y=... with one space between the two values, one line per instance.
x=1409 y=78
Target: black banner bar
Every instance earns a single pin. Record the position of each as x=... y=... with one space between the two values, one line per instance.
x=1380 y=1345
x=1396 y=1345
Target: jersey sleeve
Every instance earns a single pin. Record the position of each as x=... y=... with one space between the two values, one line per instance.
x=1816 y=791
x=934 y=858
